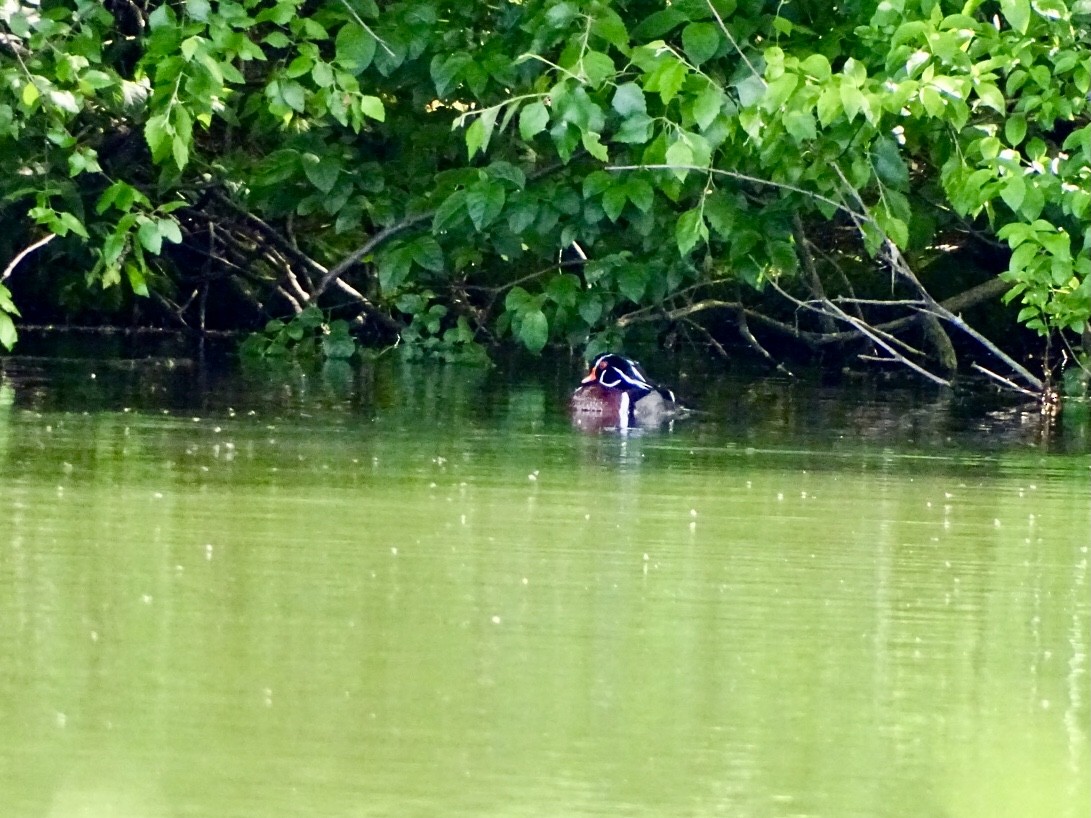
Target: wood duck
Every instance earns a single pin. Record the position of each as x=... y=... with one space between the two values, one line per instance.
x=617 y=394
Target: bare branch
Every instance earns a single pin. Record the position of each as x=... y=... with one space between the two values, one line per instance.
x=26 y=251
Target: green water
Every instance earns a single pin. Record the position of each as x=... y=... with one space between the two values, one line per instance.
x=419 y=592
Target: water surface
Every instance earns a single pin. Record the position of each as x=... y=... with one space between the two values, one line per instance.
x=417 y=591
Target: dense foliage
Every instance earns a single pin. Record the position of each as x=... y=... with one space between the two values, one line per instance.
x=450 y=174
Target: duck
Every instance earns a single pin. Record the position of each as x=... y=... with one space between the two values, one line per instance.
x=616 y=393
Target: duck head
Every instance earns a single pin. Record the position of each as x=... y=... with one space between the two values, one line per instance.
x=613 y=371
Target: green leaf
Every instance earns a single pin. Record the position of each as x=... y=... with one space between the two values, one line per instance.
x=180 y=151
x=629 y=99
x=136 y=280
x=636 y=130
x=609 y=26
x=484 y=201
x=800 y=125
x=198 y=9
x=829 y=105
x=590 y=308
x=991 y=96
x=720 y=213
x=1015 y=129
x=480 y=132
x=701 y=41
x=149 y=237
x=533 y=120
x=373 y=108
x=658 y=24
x=68 y=222
x=168 y=229
x=592 y=143
x=445 y=70
x=816 y=67
x=632 y=280
x=158 y=134
x=508 y=172
x=889 y=165
x=30 y=94
x=852 y=100
x=689 y=230
x=294 y=95
x=533 y=330
x=450 y=211
x=707 y=106
x=321 y=171
x=640 y=193
x=355 y=48
x=597 y=67
x=613 y=202
x=427 y=253
x=8 y=334
x=1017 y=13
x=680 y=158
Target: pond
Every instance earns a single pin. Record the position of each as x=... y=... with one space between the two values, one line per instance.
x=414 y=590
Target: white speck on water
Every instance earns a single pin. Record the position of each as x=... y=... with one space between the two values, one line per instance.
x=693 y=512
x=526 y=581
x=692 y=527
x=533 y=475
x=928 y=504
x=780 y=495
x=803 y=495
x=948 y=495
x=93 y=376
x=462 y=519
x=749 y=484
x=217 y=429
x=208 y=551
x=495 y=619
x=94 y=636
x=267 y=696
x=158 y=495
x=587 y=516
x=431 y=485
x=1045 y=704
x=196 y=420
x=996 y=523
x=62 y=719
x=394 y=550
x=146 y=599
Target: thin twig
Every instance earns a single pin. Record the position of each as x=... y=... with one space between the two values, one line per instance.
x=746 y=178
x=26 y=251
x=744 y=330
x=1005 y=381
x=734 y=44
x=716 y=345
x=365 y=27
x=337 y=270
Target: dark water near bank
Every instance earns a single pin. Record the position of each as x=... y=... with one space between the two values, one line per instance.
x=417 y=591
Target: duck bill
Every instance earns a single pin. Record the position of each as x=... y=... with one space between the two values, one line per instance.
x=590 y=377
